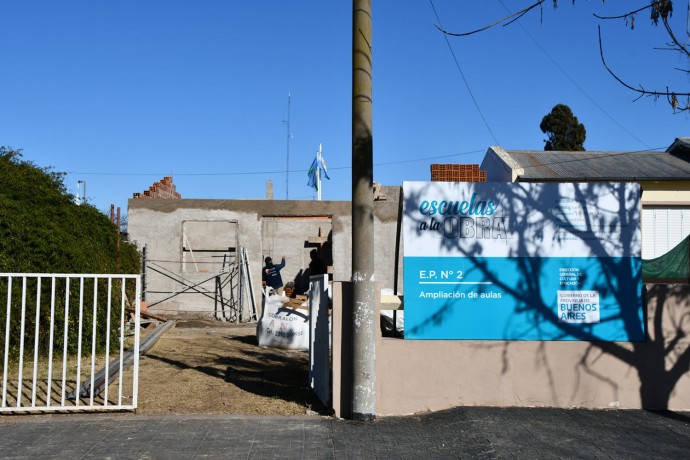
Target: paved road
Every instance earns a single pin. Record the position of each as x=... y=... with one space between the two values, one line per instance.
x=468 y=433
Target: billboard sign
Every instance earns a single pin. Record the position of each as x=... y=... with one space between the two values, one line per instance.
x=522 y=261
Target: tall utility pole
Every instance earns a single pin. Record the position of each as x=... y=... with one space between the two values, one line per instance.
x=363 y=321
x=287 y=168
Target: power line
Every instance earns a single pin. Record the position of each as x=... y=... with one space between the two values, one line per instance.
x=558 y=66
x=462 y=74
x=438 y=157
x=427 y=158
x=249 y=173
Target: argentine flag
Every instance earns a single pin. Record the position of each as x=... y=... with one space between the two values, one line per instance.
x=315 y=169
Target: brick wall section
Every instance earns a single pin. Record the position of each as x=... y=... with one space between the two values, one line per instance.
x=457 y=173
x=163 y=189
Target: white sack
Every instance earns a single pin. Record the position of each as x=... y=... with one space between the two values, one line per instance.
x=281 y=326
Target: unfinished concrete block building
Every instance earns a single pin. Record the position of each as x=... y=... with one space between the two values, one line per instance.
x=191 y=245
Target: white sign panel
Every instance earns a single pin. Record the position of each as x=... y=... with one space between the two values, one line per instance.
x=522 y=261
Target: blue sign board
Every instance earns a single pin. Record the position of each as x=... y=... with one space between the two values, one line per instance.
x=522 y=261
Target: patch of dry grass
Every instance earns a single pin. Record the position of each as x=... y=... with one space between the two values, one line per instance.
x=214 y=368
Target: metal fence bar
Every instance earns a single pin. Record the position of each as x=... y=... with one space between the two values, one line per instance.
x=51 y=342
x=66 y=336
x=107 y=341
x=93 y=337
x=122 y=345
x=137 y=336
x=79 y=337
x=20 y=376
x=36 y=329
x=7 y=341
x=37 y=394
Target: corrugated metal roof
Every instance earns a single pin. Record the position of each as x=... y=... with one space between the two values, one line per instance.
x=539 y=165
x=681 y=145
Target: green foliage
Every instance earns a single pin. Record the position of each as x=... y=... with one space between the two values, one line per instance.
x=564 y=131
x=42 y=230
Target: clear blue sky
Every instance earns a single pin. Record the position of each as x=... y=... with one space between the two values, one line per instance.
x=122 y=93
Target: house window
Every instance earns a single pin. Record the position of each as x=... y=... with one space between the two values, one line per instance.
x=663 y=227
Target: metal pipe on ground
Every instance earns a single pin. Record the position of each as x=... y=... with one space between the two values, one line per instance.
x=114 y=366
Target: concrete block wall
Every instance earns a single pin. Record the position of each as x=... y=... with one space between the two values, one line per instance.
x=265 y=227
x=158 y=225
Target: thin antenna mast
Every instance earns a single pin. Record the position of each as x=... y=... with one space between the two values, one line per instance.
x=287 y=168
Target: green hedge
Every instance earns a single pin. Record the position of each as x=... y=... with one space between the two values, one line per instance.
x=42 y=230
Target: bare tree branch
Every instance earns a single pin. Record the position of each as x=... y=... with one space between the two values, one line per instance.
x=624 y=16
x=671 y=96
x=513 y=17
x=660 y=10
x=681 y=48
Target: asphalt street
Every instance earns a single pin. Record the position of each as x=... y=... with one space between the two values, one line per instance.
x=467 y=433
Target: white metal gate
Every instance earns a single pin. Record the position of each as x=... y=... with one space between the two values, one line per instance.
x=68 y=339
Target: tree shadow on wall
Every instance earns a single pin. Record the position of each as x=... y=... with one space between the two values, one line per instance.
x=538 y=227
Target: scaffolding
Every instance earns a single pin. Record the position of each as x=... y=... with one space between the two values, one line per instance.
x=230 y=287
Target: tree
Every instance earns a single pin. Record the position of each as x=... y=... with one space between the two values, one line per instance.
x=43 y=231
x=563 y=130
x=661 y=11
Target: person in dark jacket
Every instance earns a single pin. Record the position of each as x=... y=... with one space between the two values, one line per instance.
x=316 y=266
x=270 y=275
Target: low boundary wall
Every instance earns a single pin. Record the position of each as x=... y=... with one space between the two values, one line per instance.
x=415 y=376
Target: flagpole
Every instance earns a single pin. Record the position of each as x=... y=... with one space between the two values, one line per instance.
x=318 y=173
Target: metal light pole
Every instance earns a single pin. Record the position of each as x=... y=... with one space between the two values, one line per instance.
x=79 y=182
x=363 y=320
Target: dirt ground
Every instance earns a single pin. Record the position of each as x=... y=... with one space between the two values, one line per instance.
x=206 y=367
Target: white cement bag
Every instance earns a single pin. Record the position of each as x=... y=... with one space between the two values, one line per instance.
x=283 y=327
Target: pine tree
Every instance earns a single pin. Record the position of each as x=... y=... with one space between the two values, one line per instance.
x=564 y=132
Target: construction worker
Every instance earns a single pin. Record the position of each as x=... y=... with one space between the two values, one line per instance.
x=316 y=266
x=270 y=275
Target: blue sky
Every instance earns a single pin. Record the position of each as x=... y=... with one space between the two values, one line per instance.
x=120 y=94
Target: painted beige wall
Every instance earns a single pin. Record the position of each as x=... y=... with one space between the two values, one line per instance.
x=664 y=193
x=417 y=376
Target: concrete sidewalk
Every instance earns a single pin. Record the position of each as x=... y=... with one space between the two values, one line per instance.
x=468 y=432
